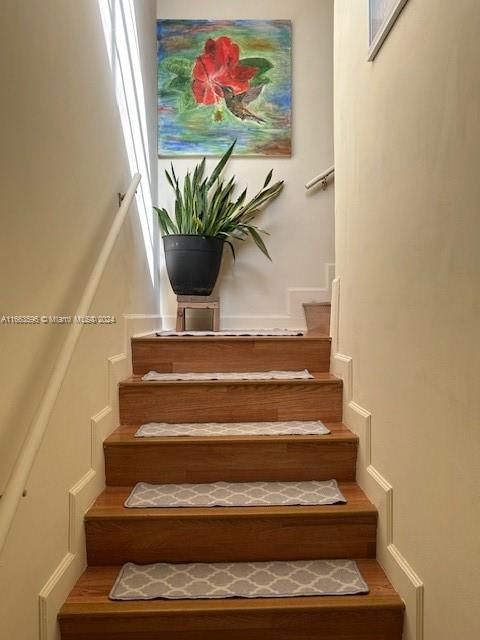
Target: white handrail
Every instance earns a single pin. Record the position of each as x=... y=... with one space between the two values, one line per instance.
x=322 y=177
x=17 y=481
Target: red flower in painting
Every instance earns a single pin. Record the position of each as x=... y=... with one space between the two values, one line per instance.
x=219 y=66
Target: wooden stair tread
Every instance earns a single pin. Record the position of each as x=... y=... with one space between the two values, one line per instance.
x=110 y=505
x=230 y=353
x=125 y=434
x=116 y=534
x=319 y=378
x=90 y=598
x=231 y=458
x=230 y=400
x=311 y=337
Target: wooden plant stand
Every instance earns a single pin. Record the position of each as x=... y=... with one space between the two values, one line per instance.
x=198 y=302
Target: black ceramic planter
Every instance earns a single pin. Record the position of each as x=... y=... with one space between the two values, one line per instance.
x=193 y=263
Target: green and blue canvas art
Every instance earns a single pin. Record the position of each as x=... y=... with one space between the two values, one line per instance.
x=220 y=81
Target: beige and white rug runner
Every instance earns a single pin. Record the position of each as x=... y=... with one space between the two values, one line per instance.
x=240 y=580
x=235 y=494
x=154 y=376
x=291 y=428
x=231 y=333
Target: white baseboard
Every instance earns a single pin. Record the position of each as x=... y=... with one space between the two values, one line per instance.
x=377 y=487
x=80 y=497
x=84 y=492
x=54 y=593
x=292 y=318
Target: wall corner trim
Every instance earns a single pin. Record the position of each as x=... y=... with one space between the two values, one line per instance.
x=84 y=492
x=377 y=487
x=290 y=316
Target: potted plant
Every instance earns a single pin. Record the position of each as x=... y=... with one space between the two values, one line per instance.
x=208 y=215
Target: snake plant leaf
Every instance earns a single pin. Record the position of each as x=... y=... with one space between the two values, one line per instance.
x=209 y=205
x=268 y=179
x=232 y=249
x=241 y=199
x=179 y=217
x=170 y=181
x=173 y=173
x=219 y=168
x=198 y=224
x=166 y=224
x=258 y=241
x=187 y=195
x=198 y=173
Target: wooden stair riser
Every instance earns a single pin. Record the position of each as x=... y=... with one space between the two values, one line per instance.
x=348 y=623
x=89 y=614
x=230 y=402
x=234 y=539
x=217 y=354
x=247 y=461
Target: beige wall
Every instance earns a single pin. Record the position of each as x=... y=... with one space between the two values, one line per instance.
x=407 y=155
x=254 y=291
x=62 y=162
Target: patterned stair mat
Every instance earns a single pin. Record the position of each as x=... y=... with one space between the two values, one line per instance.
x=153 y=376
x=235 y=494
x=240 y=579
x=239 y=333
x=292 y=428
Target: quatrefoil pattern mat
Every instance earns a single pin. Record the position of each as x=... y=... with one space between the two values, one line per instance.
x=231 y=333
x=235 y=494
x=241 y=579
x=154 y=376
x=292 y=428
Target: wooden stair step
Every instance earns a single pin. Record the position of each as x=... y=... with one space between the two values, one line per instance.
x=88 y=613
x=129 y=460
x=319 y=398
x=232 y=353
x=116 y=534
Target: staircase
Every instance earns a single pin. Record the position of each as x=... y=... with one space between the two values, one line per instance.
x=115 y=535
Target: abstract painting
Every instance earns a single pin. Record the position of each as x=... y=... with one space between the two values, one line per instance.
x=382 y=17
x=220 y=81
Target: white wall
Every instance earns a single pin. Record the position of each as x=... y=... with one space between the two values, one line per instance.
x=62 y=162
x=407 y=141
x=255 y=292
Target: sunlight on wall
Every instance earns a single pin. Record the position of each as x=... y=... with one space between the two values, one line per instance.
x=121 y=38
